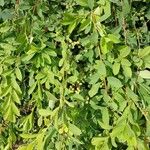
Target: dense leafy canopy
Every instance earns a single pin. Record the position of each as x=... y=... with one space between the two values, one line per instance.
x=74 y=74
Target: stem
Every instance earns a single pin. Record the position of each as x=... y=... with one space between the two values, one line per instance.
x=100 y=56
x=124 y=25
x=124 y=29
x=35 y=5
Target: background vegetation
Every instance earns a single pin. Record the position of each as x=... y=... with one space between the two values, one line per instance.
x=72 y=74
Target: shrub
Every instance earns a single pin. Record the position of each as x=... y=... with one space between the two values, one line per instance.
x=74 y=74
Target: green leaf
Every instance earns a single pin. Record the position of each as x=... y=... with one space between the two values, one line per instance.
x=125 y=51
x=40 y=139
x=22 y=148
x=18 y=74
x=105 y=116
x=16 y=97
x=113 y=142
x=94 y=78
x=145 y=74
x=114 y=82
x=131 y=94
x=82 y=2
x=52 y=53
x=70 y=104
x=51 y=96
x=148 y=128
x=94 y=38
x=26 y=57
x=117 y=130
x=77 y=96
x=91 y=4
x=148 y=15
x=47 y=58
x=30 y=146
x=28 y=136
x=97 y=11
x=33 y=49
x=125 y=62
x=101 y=69
x=72 y=79
x=45 y=112
x=6 y=14
x=32 y=88
x=113 y=38
x=127 y=71
x=75 y=140
x=107 y=11
x=6 y=91
x=116 y=68
x=61 y=62
x=40 y=121
x=85 y=24
x=39 y=91
x=102 y=2
x=4 y=29
x=9 y=115
x=68 y=18
x=15 y=109
x=51 y=104
x=121 y=101
x=103 y=44
x=130 y=136
x=72 y=27
x=15 y=85
x=99 y=140
x=94 y=89
x=141 y=145
x=126 y=7
x=2 y=3
x=104 y=126
x=100 y=48
x=144 y=52
x=74 y=129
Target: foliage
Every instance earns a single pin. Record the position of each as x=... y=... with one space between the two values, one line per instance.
x=74 y=74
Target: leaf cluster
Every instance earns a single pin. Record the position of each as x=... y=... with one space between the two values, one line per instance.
x=74 y=74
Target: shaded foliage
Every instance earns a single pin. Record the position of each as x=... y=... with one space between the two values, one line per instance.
x=74 y=74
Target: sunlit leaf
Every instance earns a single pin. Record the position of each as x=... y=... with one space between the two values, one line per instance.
x=116 y=68
x=145 y=74
x=74 y=129
x=45 y=112
x=114 y=82
x=94 y=89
